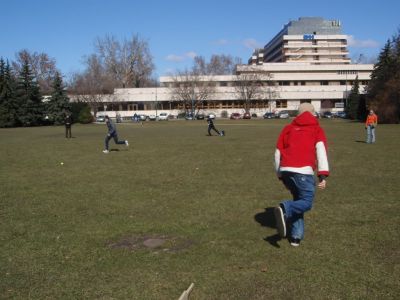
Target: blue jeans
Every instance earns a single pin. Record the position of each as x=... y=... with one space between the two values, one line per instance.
x=302 y=188
x=115 y=137
x=370 y=134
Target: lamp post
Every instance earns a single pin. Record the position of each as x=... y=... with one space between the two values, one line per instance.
x=192 y=110
x=156 y=103
x=156 y=86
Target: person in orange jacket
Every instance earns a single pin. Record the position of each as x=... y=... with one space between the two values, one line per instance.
x=370 y=125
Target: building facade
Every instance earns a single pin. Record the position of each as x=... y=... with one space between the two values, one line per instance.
x=307 y=61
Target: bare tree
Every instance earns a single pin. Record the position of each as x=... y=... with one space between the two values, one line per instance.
x=218 y=65
x=91 y=85
x=248 y=87
x=191 y=90
x=43 y=68
x=128 y=63
x=255 y=86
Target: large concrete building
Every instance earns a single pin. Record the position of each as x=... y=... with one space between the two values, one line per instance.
x=311 y=40
x=307 y=61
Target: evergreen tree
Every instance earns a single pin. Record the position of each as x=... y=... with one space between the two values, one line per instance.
x=384 y=87
x=2 y=69
x=30 y=107
x=382 y=71
x=8 y=105
x=85 y=117
x=58 y=105
x=353 y=101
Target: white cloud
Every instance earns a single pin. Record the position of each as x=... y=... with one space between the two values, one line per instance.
x=353 y=42
x=175 y=58
x=221 y=42
x=180 y=58
x=191 y=54
x=252 y=44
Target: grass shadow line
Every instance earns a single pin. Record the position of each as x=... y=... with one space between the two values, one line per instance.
x=267 y=219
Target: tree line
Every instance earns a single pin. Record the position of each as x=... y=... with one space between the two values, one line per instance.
x=128 y=63
x=383 y=92
x=21 y=101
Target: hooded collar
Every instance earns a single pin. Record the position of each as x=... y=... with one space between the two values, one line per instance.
x=305 y=119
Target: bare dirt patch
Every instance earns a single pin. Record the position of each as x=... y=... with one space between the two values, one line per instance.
x=154 y=242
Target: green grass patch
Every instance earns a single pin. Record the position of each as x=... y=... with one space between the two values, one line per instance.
x=76 y=230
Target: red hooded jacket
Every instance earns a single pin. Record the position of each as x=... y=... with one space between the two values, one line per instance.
x=301 y=147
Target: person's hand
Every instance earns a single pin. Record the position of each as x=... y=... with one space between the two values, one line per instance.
x=322 y=184
x=108 y=134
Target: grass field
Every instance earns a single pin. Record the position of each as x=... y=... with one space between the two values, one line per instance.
x=82 y=230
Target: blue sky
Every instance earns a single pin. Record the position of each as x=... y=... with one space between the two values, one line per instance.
x=177 y=30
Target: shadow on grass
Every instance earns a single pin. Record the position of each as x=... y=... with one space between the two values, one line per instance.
x=364 y=142
x=267 y=219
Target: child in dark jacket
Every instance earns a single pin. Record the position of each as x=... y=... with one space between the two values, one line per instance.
x=211 y=126
x=112 y=134
x=301 y=148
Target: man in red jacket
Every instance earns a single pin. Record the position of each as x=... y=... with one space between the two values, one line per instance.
x=301 y=148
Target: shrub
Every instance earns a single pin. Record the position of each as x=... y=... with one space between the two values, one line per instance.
x=85 y=117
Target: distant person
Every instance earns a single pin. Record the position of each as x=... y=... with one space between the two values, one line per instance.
x=119 y=119
x=68 y=125
x=211 y=126
x=112 y=134
x=301 y=147
x=370 y=125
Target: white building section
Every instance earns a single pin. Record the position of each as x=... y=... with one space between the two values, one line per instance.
x=307 y=61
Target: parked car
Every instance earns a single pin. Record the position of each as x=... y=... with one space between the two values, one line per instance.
x=163 y=116
x=200 y=117
x=341 y=114
x=100 y=119
x=152 y=118
x=235 y=116
x=246 y=115
x=211 y=116
x=317 y=114
x=327 y=115
x=143 y=117
x=269 y=115
x=189 y=116
x=284 y=114
x=254 y=115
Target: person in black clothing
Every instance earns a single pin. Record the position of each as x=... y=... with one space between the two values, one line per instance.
x=112 y=134
x=68 y=124
x=210 y=123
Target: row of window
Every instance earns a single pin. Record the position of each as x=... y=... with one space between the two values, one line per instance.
x=321 y=82
x=180 y=105
x=238 y=104
x=294 y=83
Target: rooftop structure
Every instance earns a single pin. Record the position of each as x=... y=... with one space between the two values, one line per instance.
x=309 y=39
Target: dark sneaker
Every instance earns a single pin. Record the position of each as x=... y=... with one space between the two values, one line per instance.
x=295 y=242
x=280 y=221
